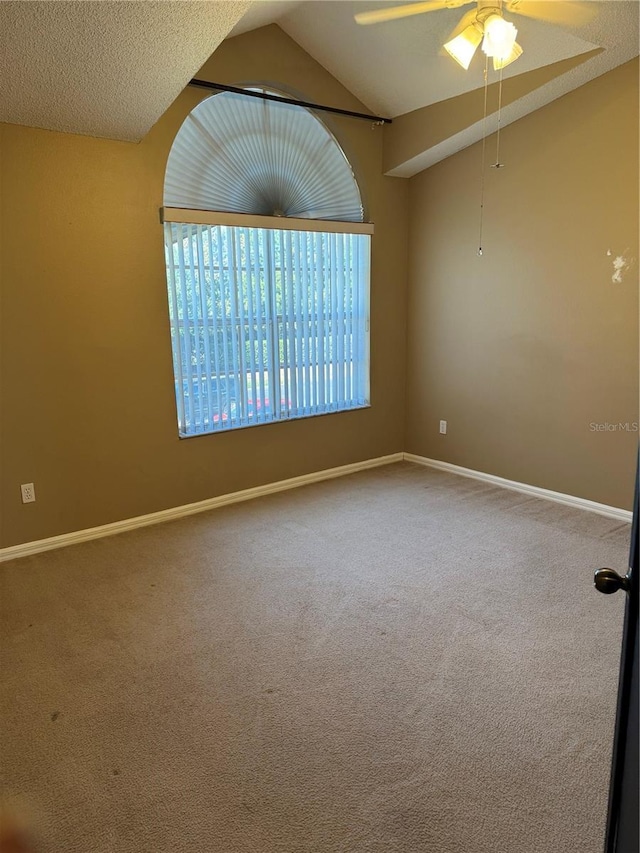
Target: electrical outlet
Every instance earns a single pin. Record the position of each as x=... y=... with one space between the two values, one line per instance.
x=28 y=493
x=443 y=427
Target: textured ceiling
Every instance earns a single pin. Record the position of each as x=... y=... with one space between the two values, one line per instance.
x=103 y=68
x=112 y=68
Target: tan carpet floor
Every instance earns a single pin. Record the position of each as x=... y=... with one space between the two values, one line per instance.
x=397 y=661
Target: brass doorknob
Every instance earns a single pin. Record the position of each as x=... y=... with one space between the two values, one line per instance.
x=608 y=581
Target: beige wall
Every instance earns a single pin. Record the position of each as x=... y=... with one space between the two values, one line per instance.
x=88 y=411
x=522 y=349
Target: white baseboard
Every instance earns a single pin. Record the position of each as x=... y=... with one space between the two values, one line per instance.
x=28 y=548
x=535 y=491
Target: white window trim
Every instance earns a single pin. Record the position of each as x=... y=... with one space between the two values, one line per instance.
x=248 y=220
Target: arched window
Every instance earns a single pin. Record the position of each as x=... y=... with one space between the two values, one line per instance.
x=267 y=267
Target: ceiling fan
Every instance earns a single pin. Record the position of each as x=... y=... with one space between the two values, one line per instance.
x=486 y=24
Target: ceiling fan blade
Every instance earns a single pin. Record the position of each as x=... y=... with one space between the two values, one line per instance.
x=568 y=14
x=376 y=16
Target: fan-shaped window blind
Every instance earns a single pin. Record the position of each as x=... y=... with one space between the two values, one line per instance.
x=241 y=154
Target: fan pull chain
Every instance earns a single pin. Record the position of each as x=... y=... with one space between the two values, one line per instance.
x=498 y=164
x=484 y=146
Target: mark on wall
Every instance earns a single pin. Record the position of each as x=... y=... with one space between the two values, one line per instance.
x=621 y=265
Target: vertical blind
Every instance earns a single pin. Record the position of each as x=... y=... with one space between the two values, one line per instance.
x=267 y=323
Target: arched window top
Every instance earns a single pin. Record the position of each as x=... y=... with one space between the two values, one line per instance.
x=239 y=154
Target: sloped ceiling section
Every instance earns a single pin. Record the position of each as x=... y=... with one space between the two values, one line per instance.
x=399 y=69
x=107 y=69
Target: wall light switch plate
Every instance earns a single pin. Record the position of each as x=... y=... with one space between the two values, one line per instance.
x=443 y=427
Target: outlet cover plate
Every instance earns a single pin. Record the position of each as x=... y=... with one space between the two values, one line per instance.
x=28 y=493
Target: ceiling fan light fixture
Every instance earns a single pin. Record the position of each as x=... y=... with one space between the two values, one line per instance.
x=499 y=37
x=463 y=46
x=516 y=52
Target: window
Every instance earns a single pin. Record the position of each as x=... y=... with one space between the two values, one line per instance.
x=266 y=323
x=269 y=315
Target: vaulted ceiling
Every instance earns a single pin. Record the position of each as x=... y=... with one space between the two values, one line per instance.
x=112 y=68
